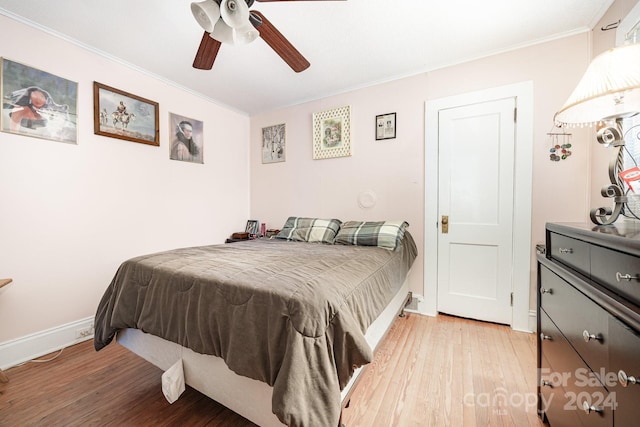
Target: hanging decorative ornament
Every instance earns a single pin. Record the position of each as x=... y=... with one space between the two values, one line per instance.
x=560 y=144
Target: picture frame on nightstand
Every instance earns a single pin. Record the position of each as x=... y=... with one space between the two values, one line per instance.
x=253 y=227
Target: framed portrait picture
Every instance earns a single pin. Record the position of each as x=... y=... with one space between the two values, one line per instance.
x=37 y=103
x=253 y=226
x=332 y=133
x=187 y=139
x=122 y=115
x=386 y=126
x=273 y=144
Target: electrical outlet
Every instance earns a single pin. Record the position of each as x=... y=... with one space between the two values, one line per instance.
x=84 y=332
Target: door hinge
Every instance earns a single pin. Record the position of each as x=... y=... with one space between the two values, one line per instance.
x=515 y=114
x=511 y=299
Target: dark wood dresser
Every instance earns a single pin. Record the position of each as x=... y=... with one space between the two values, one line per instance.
x=589 y=325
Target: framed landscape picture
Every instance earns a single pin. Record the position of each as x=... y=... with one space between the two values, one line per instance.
x=122 y=115
x=37 y=103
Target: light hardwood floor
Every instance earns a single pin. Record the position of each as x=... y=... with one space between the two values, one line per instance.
x=428 y=371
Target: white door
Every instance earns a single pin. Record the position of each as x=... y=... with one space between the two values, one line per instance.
x=476 y=147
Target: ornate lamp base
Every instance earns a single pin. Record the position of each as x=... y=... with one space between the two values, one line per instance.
x=606 y=215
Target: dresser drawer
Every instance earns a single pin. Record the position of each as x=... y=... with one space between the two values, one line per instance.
x=624 y=348
x=567 y=384
x=617 y=271
x=554 y=400
x=555 y=348
x=582 y=321
x=571 y=252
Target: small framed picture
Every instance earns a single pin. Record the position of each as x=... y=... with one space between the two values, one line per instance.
x=273 y=144
x=386 y=126
x=253 y=226
x=122 y=115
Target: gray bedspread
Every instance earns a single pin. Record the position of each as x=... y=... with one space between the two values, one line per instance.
x=290 y=314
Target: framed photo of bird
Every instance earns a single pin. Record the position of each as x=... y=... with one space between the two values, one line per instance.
x=37 y=103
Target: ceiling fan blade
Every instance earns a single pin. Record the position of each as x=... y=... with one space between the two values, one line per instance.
x=280 y=44
x=207 y=52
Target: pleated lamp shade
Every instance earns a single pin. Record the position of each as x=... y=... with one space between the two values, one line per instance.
x=610 y=88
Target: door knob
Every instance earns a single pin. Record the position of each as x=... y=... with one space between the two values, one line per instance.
x=445 y=224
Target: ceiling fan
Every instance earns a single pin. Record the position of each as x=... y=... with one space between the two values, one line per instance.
x=231 y=22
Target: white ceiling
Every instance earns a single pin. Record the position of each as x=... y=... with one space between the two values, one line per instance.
x=350 y=44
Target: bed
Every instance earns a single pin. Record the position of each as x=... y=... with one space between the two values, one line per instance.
x=274 y=329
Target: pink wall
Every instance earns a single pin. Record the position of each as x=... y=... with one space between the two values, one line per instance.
x=70 y=214
x=394 y=169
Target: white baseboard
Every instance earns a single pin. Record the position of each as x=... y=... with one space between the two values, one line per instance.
x=32 y=346
x=533 y=321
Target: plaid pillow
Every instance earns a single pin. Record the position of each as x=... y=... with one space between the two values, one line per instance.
x=384 y=234
x=309 y=229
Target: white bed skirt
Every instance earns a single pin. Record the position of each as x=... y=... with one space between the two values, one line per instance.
x=211 y=376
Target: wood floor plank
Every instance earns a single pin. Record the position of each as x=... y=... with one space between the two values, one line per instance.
x=428 y=371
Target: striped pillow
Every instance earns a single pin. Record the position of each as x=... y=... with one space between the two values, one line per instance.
x=311 y=230
x=384 y=234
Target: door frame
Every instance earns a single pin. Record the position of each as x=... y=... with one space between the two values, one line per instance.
x=523 y=181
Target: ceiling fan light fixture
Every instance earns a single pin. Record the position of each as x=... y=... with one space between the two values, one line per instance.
x=245 y=34
x=223 y=33
x=235 y=13
x=206 y=13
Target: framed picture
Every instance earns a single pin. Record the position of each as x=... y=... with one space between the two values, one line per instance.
x=121 y=115
x=386 y=126
x=37 y=103
x=332 y=133
x=273 y=144
x=186 y=139
x=253 y=227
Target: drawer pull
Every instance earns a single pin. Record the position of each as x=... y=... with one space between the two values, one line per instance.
x=546 y=291
x=625 y=379
x=546 y=383
x=588 y=337
x=565 y=250
x=589 y=409
x=627 y=277
x=545 y=337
